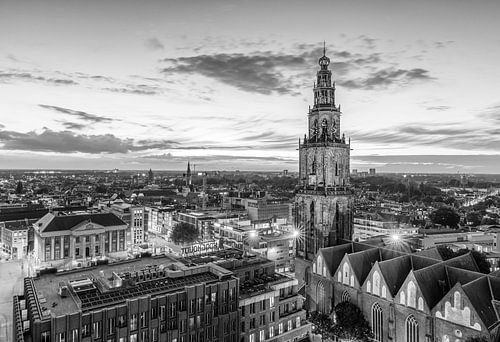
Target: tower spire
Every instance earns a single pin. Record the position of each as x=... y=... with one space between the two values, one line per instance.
x=324 y=48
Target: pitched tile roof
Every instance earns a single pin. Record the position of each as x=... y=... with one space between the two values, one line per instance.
x=479 y=293
x=53 y=223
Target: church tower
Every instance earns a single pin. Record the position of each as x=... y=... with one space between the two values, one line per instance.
x=323 y=205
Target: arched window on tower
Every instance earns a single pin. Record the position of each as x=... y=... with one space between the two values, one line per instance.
x=377 y=322
x=411 y=329
x=336 y=169
x=412 y=295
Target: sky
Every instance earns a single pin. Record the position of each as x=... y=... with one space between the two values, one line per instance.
x=226 y=84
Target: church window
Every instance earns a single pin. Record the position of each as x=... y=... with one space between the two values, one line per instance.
x=336 y=169
x=411 y=329
x=376 y=283
x=420 y=304
x=339 y=277
x=412 y=294
x=345 y=297
x=457 y=300
x=352 y=280
x=402 y=298
x=319 y=266
x=320 y=297
x=368 y=286
x=346 y=273
x=384 y=291
x=377 y=322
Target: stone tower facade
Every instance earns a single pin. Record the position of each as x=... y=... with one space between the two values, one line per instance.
x=323 y=205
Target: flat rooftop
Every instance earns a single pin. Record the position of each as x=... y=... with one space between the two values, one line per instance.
x=108 y=285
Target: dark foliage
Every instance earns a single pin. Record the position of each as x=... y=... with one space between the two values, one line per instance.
x=480 y=258
x=19 y=188
x=350 y=324
x=184 y=233
x=445 y=216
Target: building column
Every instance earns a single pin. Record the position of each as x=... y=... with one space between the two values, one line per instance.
x=102 y=243
x=52 y=247
x=82 y=246
x=117 y=240
x=71 y=247
x=92 y=246
x=110 y=242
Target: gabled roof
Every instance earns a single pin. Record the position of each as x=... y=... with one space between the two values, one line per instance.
x=419 y=262
x=395 y=272
x=53 y=223
x=432 y=253
x=362 y=262
x=332 y=256
x=465 y=262
x=456 y=275
x=479 y=293
x=433 y=283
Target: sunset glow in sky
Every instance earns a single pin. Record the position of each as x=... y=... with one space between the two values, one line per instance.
x=227 y=84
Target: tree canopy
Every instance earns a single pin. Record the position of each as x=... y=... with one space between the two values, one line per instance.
x=480 y=258
x=350 y=323
x=445 y=216
x=184 y=233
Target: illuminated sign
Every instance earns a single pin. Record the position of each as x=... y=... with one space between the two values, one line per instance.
x=199 y=248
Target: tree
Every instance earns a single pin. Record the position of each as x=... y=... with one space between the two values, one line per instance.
x=445 y=216
x=350 y=323
x=19 y=188
x=323 y=324
x=474 y=218
x=184 y=233
x=482 y=263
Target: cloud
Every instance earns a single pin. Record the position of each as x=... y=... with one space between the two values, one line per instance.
x=485 y=163
x=87 y=117
x=69 y=142
x=439 y=135
x=260 y=73
x=13 y=75
x=438 y=108
x=220 y=158
x=491 y=114
x=387 y=77
x=73 y=125
x=154 y=44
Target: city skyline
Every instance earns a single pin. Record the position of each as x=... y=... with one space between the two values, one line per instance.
x=129 y=86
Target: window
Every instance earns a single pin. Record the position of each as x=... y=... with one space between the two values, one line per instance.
x=289 y=326
x=262 y=335
x=133 y=322
x=191 y=306
x=242 y=326
x=271 y=331
x=162 y=312
x=61 y=337
x=154 y=312
x=143 y=319
x=411 y=329
x=133 y=338
x=420 y=304
x=144 y=336
x=345 y=271
x=262 y=320
x=320 y=297
x=297 y=321
x=172 y=309
x=376 y=283
x=251 y=338
x=45 y=336
x=271 y=302
x=346 y=297
x=412 y=294
x=368 y=286
x=97 y=327
x=377 y=322
x=85 y=330
x=183 y=326
x=280 y=329
x=402 y=298
x=263 y=304
x=111 y=325
x=74 y=335
x=154 y=334
x=121 y=321
x=384 y=291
